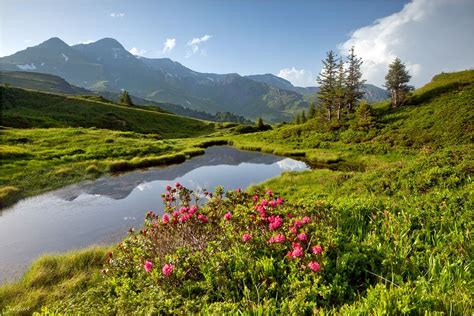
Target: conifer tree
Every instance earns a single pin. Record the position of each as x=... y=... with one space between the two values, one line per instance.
x=364 y=117
x=396 y=81
x=311 y=111
x=125 y=98
x=298 y=119
x=260 y=124
x=340 y=90
x=327 y=83
x=303 y=117
x=354 y=82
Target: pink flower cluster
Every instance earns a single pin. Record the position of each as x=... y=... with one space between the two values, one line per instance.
x=275 y=222
x=278 y=238
x=167 y=269
x=246 y=237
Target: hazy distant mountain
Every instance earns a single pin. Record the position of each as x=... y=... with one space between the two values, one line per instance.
x=372 y=93
x=106 y=66
x=54 y=84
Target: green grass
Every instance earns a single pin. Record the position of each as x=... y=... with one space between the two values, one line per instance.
x=32 y=109
x=52 y=278
x=38 y=160
x=394 y=207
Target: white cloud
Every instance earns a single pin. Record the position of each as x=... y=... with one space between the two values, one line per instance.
x=429 y=36
x=27 y=41
x=168 y=45
x=195 y=42
x=298 y=77
x=86 y=42
x=137 y=52
x=117 y=15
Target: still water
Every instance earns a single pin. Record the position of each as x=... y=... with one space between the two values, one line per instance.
x=101 y=211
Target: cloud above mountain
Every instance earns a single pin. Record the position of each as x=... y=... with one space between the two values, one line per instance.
x=430 y=36
x=137 y=52
x=195 y=43
x=298 y=77
x=117 y=15
x=168 y=45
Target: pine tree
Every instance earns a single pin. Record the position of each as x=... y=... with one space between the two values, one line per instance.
x=396 y=81
x=354 y=82
x=303 y=117
x=298 y=119
x=125 y=98
x=260 y=124
x=327 y=84
x=311 y=111
x=364 y=117
x=340 y=90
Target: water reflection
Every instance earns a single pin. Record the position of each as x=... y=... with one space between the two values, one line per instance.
x=101 y=211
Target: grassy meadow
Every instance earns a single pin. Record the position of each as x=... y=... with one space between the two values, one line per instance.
x=381 y=226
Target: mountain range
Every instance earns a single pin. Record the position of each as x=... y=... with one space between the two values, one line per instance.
x=106 y=66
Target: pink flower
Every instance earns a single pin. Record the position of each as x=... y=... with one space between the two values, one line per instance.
x=264 y=202
x=183 y=210
x=317 y=249
x=278 y=238
x=275 y=222
x=246 y=237
x=184 y=217
x=297 y=250
x=298 y=223
x=294 y=230
x=168 y=187
x=178 y=185
x=302 y=237
x=306 y=219
x=273 y=203
x=175 y=214
x=313 y=265
x=279 y=200
x=289 y=215
x=269 y=192
x=255 y=198
x=203 y=218
x=228 y=216
x=167 y=269
x=193 y=209
x=165 y=219
x=239 y=190
x=148 y=266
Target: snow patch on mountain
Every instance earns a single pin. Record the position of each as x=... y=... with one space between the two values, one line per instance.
x=27 y=66
x=66 y=58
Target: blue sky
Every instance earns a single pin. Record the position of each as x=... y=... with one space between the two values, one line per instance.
x=288 y=38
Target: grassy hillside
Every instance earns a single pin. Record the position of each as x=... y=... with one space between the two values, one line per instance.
x=382 y=226
x=30 y=109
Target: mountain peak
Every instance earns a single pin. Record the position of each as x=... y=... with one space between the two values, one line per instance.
x=54 y=42
x=108 y=42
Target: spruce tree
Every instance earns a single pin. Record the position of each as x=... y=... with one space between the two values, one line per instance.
x=396 y=81
x=303 y=117
x=340 y=90
x=311 y=111
x=260 y=124
x=125 y=98
x=298 y=119
x=327 y=83
x=364 y=117
x=354 y=82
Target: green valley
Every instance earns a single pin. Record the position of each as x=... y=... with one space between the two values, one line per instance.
x=391 y=204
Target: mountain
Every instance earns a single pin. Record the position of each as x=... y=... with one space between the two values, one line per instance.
x=106 y=65
x=54 y=84
x=372 y=93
